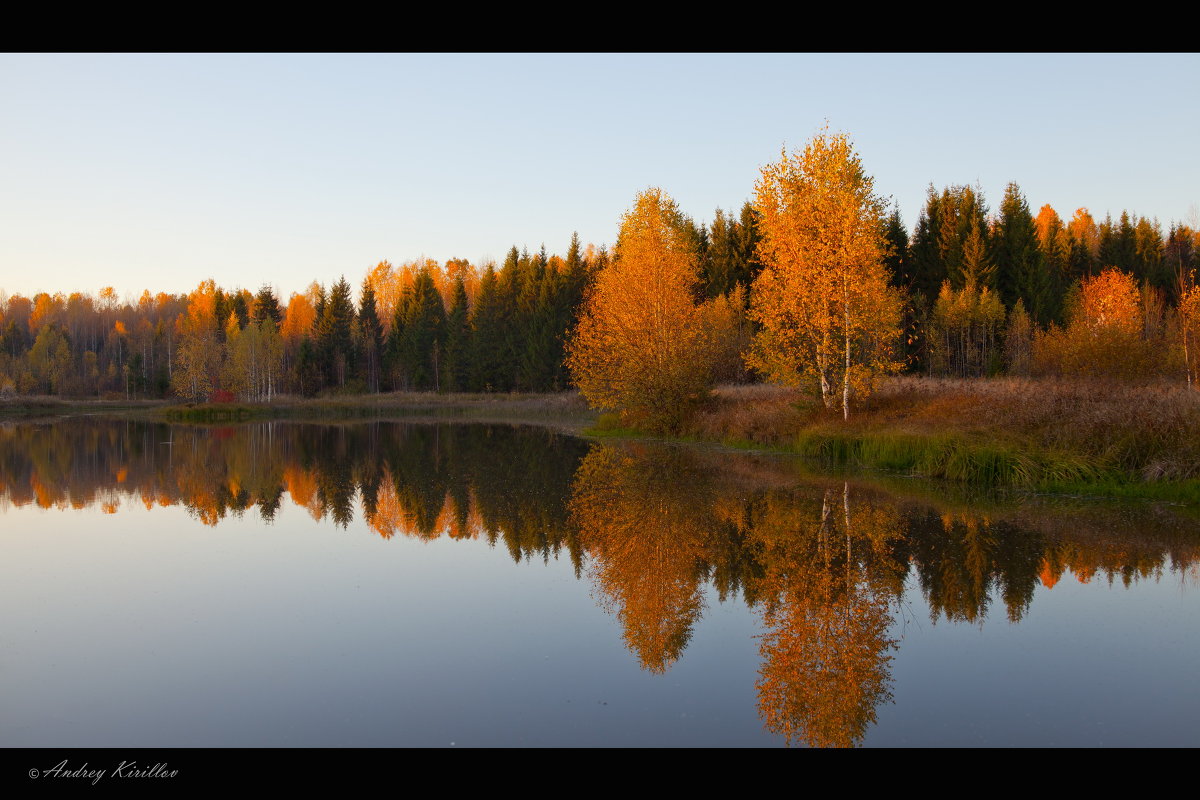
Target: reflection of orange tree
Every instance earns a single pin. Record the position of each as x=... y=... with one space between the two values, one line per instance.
x=645 y=519
x=826 y=650
x=201 y=477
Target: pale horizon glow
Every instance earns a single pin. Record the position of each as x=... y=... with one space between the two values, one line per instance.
x=157 y=172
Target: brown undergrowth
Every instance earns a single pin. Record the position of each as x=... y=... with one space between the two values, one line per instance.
x=1148 y=432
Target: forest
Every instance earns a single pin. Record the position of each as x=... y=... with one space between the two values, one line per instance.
x=979 y=291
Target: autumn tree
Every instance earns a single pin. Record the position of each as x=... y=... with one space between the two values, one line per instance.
x=640 y=345
x=963 y=331
x=1189 y=331
x=822 y=299
x=1106 y=334
x=50 y=358
x=1084 y=239
x=198 y=361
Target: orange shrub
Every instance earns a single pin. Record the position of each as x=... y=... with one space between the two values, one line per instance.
x=1105 y=336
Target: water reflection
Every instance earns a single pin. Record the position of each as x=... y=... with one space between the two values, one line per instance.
x=653 y=529
x=647 y=522
x=479 y=481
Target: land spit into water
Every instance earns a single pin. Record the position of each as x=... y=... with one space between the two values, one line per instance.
x=1094 y=437
x=566 y=411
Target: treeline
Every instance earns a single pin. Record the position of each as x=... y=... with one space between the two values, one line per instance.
x=1020 y=294
x=986 y=293
x=418 y=326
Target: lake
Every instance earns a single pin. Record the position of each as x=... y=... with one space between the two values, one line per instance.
x=405 y=584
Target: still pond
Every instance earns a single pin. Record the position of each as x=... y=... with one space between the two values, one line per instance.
x=405 y=584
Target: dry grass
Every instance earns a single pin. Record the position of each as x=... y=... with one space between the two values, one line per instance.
x=1151 y=431
x=563 y=410
x=756 y=413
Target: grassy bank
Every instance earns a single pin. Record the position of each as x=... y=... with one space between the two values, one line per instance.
x=1071 y=436
x=565 y=409
x=42 y=406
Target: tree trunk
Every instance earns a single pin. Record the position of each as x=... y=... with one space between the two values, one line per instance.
x=823 y=369
x=846 y=374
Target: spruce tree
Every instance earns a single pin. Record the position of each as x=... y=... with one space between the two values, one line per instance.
x=747 y=236
x=369 y=336
x=423 y=338
x=927 y=270
x=720 y=262
x=898 y=257
x=456 y=365
x=393 y=364
x=1151 y=265
x=1020 y=269
x=266 y=306
x=1125 y=246
x=335 y=326
x=486 y=335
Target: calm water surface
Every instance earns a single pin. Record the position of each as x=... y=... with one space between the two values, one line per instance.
x=392 y=584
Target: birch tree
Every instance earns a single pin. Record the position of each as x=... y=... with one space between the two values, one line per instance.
x=822 y=299
x=640 y=345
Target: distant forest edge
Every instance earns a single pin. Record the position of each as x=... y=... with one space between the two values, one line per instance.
x=984 y=293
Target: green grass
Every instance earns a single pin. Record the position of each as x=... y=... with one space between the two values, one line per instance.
x=30 y=407
x=1187 y=492
x=215 y=412
x=951 y=457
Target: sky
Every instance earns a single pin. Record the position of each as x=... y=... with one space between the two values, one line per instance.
x=159 y=171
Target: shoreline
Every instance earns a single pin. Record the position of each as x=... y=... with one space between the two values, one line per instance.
x=975 y=433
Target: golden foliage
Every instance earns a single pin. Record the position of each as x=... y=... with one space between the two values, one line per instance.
x=1082 y=229
x=1189 y=329
x=826 y=649
x=198 y=360
x=298 y=319
x=1105 y=335
x=823 y=300
x=640 y=344
x=645 y=518
x=728 y=328
x=1110 y=300
x=963 y=331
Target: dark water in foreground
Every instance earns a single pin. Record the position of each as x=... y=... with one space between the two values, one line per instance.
x=400 y=584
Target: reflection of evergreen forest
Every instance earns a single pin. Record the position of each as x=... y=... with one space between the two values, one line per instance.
x=823 y=562
x=499 y=482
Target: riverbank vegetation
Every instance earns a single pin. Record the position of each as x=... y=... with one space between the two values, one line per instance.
x=1022 y=432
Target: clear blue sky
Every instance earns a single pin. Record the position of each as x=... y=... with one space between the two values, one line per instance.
x=156 y=172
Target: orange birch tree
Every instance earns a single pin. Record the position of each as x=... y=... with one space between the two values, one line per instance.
x=640 y=345
x=822 y=299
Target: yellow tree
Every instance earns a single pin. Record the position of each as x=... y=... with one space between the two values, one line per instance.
x=198 y=361
x=822 y=298
x=640 y=345
x=1189 y=313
